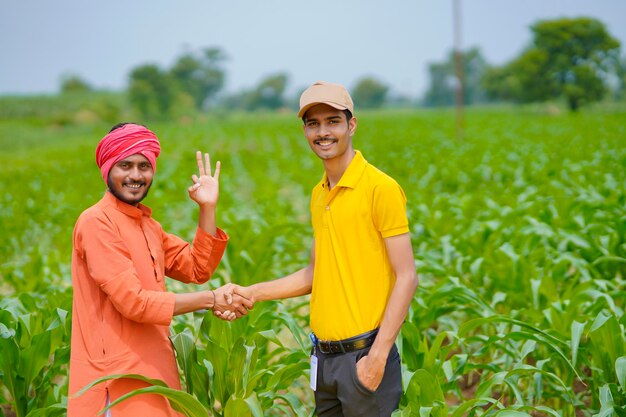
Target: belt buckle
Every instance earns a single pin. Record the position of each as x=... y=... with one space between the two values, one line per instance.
x=359 y=344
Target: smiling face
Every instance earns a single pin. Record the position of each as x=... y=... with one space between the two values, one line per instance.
x=130 y=179
x=329 y=132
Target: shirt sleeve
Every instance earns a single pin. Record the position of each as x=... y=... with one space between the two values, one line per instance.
x=390 y=209
x=109 y=264
x=194 y=263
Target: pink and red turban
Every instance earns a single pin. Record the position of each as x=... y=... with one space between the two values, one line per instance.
x=125 y=141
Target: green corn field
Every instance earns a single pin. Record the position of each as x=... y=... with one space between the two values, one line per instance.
x=518 y=230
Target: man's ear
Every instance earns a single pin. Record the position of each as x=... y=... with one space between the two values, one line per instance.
x=352 y=125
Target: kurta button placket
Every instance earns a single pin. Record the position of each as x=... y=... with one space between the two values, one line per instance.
x=153 y=254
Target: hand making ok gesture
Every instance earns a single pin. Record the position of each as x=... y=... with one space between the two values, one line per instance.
x=206 y=187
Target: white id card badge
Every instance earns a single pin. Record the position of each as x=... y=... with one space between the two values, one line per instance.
x=313 y=382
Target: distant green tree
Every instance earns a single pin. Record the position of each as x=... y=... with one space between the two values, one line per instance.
x=369 y=93
x=500 y=84
x=271 y=91
x=74 y=84
x=569 y=58
x=200 y=75
x=518 y=81
x=441 y=90
x=151 y=91
x=269 y=94
x=236 y=100
x=621 y=79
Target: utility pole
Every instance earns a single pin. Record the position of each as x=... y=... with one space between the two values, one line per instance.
x=458 y=70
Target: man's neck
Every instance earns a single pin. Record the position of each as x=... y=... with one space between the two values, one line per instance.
x=335 y=168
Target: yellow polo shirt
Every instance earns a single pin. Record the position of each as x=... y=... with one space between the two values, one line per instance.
x=353 y=278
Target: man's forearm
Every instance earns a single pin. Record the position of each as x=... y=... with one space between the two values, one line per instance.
x=294 y=285
x=188 y=302
x=402 y=261
x=395 y=313
x=206 y=220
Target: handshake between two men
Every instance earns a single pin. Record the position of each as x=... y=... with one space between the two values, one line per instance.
x=232 y=301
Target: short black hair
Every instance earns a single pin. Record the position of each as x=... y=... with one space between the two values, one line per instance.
x=117 y=126
x=347 y=112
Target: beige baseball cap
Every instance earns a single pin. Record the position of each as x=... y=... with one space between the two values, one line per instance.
x=321 y=92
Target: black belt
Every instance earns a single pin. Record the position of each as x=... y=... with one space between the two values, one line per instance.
x=357 y=342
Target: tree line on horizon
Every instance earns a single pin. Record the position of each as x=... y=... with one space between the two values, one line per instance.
x=575 y=61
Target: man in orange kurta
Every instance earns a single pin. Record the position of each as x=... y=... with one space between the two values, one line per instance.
x=121 y=255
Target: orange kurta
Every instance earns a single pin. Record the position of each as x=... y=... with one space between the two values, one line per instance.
x=121 y=310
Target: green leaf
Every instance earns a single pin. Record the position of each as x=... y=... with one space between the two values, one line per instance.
x=241 y=359
x=10 y=368
x=577 y=332
x=254 y=405
x=271 y=336
x=217 y=357
x=603 y=259
x=294 y=403
x=179 y=400
x=51 y=411
x=237 y=407
x=433 y=353
x=511 y=413
x=184 y=345
x=404 y=412
x=469 y=405
x=609 y=343
x=546 y=410
x=60 y=316
x=426 y=389
x=485 y=387
x=606 y=402
x=620 y=370
x=35 y=356
x=286 y=374
x=156 y=382
x=5 y=332
x=508 y=250
x=425 y=411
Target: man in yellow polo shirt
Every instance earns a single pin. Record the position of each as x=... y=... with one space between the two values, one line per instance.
x=361 y=274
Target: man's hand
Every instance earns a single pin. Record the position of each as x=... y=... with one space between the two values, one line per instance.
x=205 y=189
x=370 y=372
x=235 y=289
x=230 y=305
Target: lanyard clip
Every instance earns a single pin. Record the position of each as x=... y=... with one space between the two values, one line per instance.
x=314 y=340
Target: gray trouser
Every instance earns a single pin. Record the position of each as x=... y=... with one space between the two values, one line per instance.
x=340 y=393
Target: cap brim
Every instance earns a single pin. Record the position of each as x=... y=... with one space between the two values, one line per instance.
x=306 y=108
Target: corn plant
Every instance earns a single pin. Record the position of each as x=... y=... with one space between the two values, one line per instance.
x=245 y=368
x=34 y=336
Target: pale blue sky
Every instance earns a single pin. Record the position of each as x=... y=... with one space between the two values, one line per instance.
x=333 y=40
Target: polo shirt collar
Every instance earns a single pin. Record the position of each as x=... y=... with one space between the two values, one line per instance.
x=353 y=173
x=129 y=210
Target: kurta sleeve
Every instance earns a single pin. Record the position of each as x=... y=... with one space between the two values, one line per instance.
x=193 y=263
x=109 y=263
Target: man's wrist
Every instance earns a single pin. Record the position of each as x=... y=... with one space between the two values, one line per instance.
x=378 y=353
x=207 y=206
x=253 y=292
x=214 y=300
